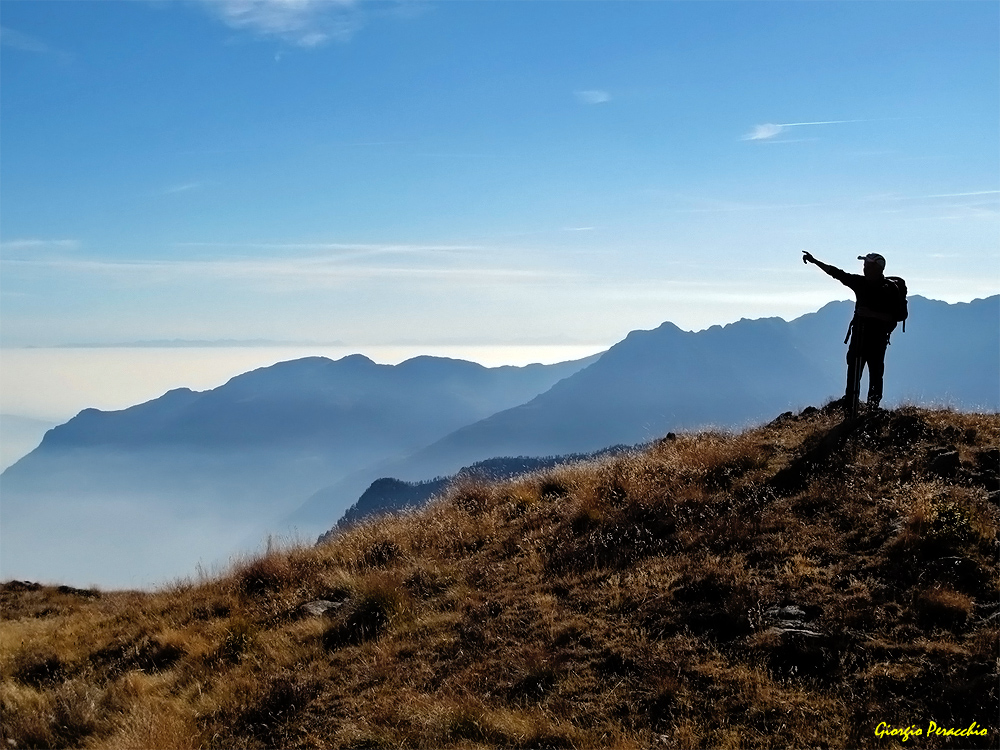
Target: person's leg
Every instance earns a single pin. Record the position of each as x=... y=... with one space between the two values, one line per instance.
x=875 y=357
x=855 y=367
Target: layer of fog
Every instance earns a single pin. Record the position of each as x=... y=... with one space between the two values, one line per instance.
x=131 y=526
x=19 y=436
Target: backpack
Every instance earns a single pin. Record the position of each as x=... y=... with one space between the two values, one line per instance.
x=895 y=297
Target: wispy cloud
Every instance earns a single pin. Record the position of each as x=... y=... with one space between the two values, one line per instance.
x=771 y=130
x=185 y=187
x=593 y=96
x=972 y=205
x=691 y=204
x=304 y=23
x=283 y=274
x=965 y=195
x=27 y=43
x=964 y=205
x=281 y=267
x=746 y=207
x=328 y=249
x=37 y=245
x=979 y=197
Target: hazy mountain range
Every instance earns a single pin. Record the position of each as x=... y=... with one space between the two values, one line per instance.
x=139 y=495
x=166 y=483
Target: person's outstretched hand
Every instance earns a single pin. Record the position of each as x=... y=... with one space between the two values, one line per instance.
x=807 y=257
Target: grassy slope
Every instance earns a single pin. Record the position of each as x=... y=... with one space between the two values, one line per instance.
x=683 y=597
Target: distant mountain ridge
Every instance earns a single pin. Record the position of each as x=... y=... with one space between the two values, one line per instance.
x=668 y=379
x=304 y=400
x=728 y=376
x=236 y=458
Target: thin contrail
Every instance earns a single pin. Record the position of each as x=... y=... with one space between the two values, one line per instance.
x=770 y=129
x=820 y=122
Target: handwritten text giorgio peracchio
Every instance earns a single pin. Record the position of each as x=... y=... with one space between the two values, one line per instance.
x=933 y=730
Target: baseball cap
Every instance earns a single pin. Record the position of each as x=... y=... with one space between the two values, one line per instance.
x=875 y=258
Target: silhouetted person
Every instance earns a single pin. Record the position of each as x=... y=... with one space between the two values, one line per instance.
x=874 y=319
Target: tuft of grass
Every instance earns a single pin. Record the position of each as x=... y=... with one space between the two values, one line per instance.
x=941 y=606
x=264 y=575
x=237 y=639
x=378 y=601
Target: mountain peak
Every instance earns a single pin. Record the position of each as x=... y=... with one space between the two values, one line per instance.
x=356 y=359
x=428 y=362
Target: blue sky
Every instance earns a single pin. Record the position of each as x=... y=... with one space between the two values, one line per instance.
x=483 y=172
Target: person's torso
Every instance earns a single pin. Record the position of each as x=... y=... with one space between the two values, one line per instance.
x=874 y=299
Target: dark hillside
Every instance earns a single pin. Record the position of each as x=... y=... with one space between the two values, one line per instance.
x=390 y=495
x=792 y=586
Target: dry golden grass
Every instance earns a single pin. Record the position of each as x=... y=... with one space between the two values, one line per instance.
x=682 y=597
